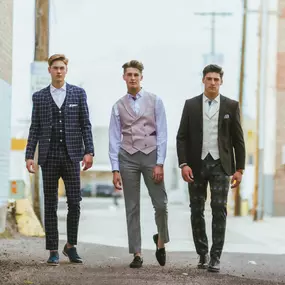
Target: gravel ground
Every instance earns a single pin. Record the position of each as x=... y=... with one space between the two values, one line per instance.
x=22 y=261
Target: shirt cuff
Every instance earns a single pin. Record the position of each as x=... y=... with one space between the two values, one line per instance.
x=160 y=160
x=115 y=166
x=182 y=165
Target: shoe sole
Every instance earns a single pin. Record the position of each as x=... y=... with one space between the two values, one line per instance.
x=64 y=253
x=136 y=266
x=211 y=269
x=202 y=266
x=52 y=264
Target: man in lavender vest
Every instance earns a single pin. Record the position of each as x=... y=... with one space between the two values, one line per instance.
x=138 y=141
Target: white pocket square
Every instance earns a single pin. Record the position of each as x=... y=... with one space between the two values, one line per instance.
x=73 y=105
x=226 y=116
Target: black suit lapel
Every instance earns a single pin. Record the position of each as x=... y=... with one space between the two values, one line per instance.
x=222 y=110
x=200 y=112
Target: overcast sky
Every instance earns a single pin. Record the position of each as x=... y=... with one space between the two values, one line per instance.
x=99 y=36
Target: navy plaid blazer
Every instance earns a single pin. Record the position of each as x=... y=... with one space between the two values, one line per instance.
x=78 y=129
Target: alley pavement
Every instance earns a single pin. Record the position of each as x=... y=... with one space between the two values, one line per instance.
x=254 y=251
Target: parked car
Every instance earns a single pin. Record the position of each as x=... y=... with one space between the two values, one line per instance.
x=86 y=191
x=104 y=190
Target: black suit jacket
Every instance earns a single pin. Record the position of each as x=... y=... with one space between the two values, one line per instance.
x=78 y=130
x=230 y=135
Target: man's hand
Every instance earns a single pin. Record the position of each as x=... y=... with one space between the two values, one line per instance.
x=87 y=161
x=158 y=174
x=236 y=179
x=117 y=180
x=187 y=174
x=30 y=165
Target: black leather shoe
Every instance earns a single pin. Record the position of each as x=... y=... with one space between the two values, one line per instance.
x=160 y=252
x=214 y=265
x=53 y=258
x=137 y=262
x=71 y=253
x=203 y=261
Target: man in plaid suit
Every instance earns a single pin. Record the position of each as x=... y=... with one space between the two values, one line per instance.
x=60 y=124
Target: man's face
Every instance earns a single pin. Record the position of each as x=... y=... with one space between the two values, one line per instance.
x=133 y=78
x=58 y=71
x=212 y=82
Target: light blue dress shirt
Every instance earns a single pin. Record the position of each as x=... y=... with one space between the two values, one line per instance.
x=115 y=133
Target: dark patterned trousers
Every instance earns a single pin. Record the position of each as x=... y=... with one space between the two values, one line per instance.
x=58 y=164
x=212 y=173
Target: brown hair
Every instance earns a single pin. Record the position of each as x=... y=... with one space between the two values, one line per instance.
x=213 y=68
x=55 y=57
x=134 y=64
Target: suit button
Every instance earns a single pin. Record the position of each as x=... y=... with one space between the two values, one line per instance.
x=145 y=145
x=60 y=140
x=49 y=140
x=50 y=126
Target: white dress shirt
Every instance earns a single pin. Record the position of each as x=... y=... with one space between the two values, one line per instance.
x=58 y=94
x=210 y=127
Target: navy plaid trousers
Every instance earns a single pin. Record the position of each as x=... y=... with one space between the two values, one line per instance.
x=58 y=164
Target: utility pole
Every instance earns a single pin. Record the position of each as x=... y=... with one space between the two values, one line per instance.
x=256 y=165
x=213 y=16
x=241 y=93
x=41 y=55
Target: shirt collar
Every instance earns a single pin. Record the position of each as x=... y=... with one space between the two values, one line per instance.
x=206 y=99
x=138 y=95
x=53 y=89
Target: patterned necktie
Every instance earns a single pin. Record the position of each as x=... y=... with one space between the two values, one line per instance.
x=209 y=109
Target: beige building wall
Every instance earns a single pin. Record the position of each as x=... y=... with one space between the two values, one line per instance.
x=6 y=32
x=279 y=189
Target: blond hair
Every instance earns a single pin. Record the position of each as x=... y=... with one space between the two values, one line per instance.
x=55 y=57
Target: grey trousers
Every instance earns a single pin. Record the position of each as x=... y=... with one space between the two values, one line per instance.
x=131 y=168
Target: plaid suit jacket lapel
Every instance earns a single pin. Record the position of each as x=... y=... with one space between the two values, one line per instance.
x=67 y=99
x=48 y=102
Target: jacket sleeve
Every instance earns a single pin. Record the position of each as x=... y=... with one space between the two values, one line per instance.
x=33 y=137
x=85 y=124
x=238 y=140
x=183 y=136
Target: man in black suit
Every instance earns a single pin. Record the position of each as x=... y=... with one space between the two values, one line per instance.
x=210 y=148
x=60 y=124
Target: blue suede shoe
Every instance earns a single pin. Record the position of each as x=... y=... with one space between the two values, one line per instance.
x=53 y=258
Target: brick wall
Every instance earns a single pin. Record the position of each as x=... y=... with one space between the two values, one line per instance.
x=6 y=33
x=279 y=191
